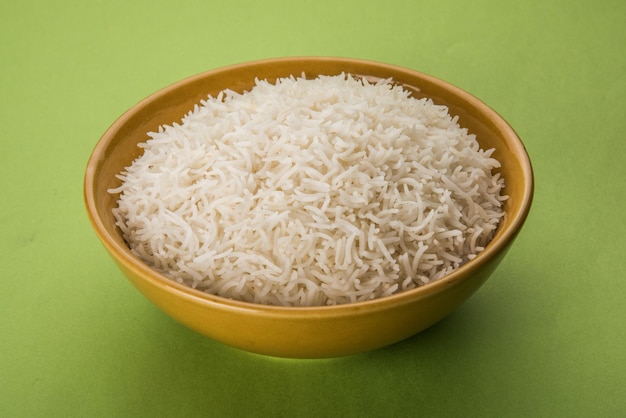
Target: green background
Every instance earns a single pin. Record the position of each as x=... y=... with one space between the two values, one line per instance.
x=545 y=336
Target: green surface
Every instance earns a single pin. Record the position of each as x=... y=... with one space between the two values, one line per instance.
x=546 y=336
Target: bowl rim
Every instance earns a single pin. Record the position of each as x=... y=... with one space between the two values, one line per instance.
x=123 y=256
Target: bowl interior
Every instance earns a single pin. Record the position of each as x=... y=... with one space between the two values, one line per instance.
x=118 y=147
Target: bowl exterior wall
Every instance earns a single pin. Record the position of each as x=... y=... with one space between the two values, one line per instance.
x=311 y=335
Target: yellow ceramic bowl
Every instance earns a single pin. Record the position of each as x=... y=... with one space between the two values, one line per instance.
x=306 y=332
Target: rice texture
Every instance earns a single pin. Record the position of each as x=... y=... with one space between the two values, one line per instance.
x=309 y=192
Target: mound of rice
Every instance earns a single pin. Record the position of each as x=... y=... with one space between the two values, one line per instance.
x=310 y=192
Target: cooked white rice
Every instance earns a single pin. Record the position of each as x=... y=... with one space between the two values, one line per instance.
x=310 y=192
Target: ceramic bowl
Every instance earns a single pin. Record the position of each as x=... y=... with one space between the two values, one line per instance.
x=304 y=332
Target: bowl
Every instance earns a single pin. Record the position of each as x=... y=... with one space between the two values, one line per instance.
x=304 y=332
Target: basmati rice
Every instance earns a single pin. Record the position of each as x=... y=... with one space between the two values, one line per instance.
x=308 y=192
